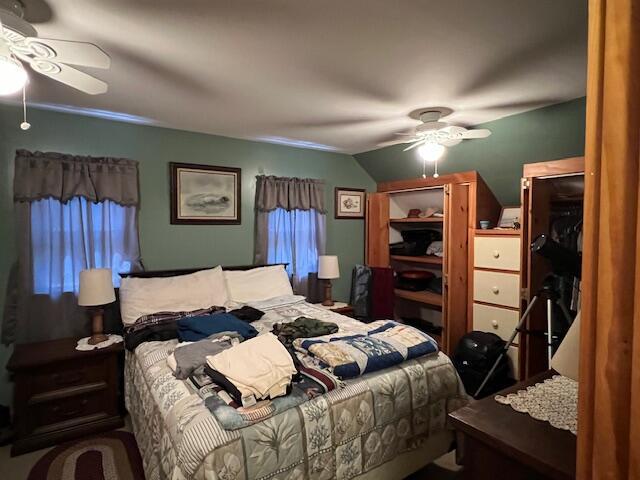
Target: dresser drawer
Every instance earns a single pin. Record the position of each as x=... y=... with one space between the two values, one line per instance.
x=500 y=321
x=501 y=253
x=496 y=288
x=68 y=374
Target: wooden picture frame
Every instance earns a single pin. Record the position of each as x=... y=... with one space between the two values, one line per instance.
x=508 y=217
x=350 y=203
x=205 y=194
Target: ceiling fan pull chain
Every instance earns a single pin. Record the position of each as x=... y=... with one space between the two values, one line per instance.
x=436 y=174
x=24 y=125
x=424 y=168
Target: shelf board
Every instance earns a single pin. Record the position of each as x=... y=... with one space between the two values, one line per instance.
x=427 y=259
x=417 y=220
x=426 y=297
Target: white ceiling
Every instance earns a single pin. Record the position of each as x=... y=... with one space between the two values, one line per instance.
x=340 y=73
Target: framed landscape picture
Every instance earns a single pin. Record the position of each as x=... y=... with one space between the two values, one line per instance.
x=350 y=202
x=205 y=194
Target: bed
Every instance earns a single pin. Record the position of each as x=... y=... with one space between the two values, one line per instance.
x=385 y=424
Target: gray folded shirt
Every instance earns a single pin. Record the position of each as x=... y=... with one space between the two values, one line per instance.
x=191 y=358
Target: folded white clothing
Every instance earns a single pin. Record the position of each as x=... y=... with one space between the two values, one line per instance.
x=261 y=366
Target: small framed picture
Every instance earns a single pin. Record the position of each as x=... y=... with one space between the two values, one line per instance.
x=350 y=202
x=205 y=195
x=509 y=217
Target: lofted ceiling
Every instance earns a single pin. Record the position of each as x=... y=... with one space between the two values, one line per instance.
x=335 y=74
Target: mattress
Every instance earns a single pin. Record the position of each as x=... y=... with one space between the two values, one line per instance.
x=346 y=433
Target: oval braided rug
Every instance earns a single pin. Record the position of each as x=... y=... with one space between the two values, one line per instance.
x=110 y=456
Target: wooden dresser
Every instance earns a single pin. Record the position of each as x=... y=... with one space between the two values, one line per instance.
x=496 y=287
x=62 y=393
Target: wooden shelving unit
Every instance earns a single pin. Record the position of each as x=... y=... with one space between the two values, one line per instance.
x=425 y=297
x=417 y=220
x=426 y=259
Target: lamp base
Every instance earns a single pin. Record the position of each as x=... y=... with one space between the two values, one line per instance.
x=97 y=332
x=97 y=338
x=327 y=302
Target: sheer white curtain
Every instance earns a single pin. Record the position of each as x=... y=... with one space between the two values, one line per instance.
x=296 y=237
x=69 y=237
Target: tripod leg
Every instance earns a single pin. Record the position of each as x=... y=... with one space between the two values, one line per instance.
x=509 y=343
x=549 y=329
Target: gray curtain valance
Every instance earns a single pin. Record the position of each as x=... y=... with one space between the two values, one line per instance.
x=289 y=193
x=40 y=175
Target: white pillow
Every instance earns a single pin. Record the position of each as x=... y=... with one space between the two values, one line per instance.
x=260 y=283
x=143 y=296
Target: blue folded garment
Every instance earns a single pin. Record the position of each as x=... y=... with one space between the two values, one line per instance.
x=192 y=329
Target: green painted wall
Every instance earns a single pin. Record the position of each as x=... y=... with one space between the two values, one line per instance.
x=173 y=246
x=547 y=133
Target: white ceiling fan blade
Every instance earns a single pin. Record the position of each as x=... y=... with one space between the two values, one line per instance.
x=479 y=133
x=63 y=51
x=450 y=142
x=69 y=76
x=416 y=144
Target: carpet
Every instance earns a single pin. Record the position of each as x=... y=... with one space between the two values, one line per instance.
x=110 y=456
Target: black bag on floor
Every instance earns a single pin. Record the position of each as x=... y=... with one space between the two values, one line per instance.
x=473 y=358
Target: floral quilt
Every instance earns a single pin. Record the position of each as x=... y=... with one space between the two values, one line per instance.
x=341 y=434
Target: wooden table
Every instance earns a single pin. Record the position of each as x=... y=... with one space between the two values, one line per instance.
x=496 y=442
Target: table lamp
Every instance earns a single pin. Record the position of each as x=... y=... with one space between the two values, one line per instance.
x=328 y=269
x=96 y=290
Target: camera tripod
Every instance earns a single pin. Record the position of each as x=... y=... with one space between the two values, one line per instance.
x=550 y=293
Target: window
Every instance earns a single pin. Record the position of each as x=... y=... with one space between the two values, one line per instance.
x=72 y=236
x=293 y=238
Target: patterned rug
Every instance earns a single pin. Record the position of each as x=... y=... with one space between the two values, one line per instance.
x=110 y=456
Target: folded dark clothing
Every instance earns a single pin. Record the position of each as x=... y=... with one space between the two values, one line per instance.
x=302 y=327
x=224 y=383
x=160 y=318
x=247 y=314
x=192 y=329
x=151 y=333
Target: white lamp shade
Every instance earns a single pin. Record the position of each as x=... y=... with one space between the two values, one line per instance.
x=328 y=267
x=567 y=358
x=96 y=287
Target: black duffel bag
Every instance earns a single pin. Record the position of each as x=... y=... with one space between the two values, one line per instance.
x=473 y=358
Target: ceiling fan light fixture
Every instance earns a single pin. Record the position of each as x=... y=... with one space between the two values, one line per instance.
x=12 y=75
x=430 y=152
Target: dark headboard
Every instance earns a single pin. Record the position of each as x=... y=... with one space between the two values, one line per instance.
x=187 y=271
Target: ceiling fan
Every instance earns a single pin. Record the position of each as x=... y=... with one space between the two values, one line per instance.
x=20 y=44
x=433 y=135
x=434 y=131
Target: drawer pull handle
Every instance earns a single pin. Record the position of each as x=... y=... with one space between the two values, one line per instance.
x=494 y=323
x=495 y=290
x=72 y=412
x=496 y=254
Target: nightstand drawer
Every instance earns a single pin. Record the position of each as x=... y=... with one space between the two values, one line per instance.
x=496 y=288
x=68 y=374
x=47 y=415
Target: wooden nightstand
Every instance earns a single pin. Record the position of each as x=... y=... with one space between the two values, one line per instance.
x=62 y=393
x=338 y=307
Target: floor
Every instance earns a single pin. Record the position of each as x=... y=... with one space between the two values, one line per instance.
x=17 y=468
